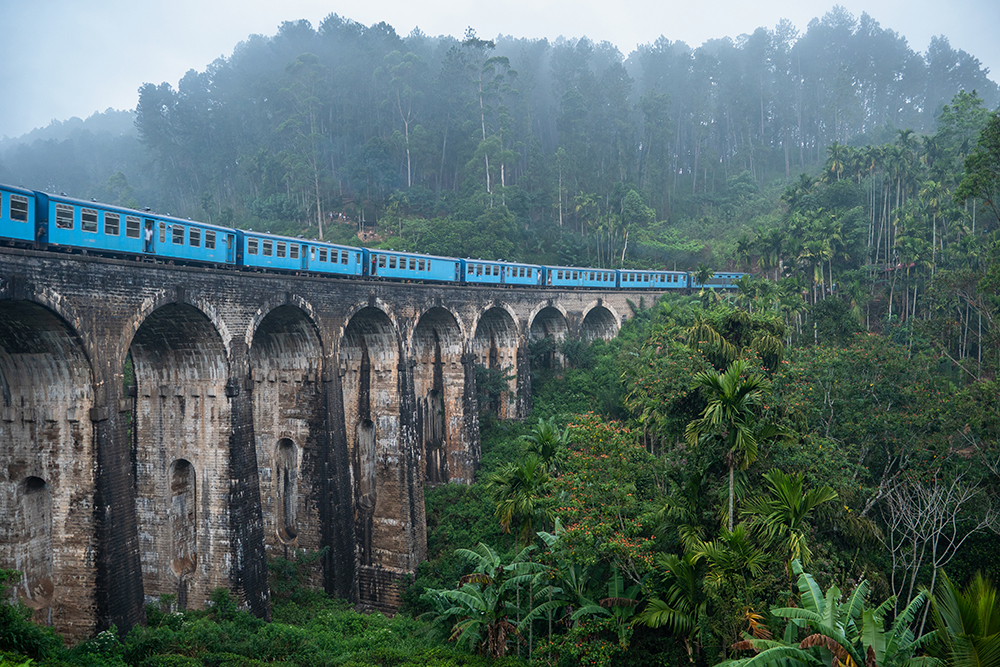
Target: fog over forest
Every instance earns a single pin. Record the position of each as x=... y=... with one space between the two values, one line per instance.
x=355 y=121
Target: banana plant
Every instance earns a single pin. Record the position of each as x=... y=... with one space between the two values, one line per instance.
x=848 y=633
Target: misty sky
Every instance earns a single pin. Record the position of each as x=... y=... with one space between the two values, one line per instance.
x=65 y=58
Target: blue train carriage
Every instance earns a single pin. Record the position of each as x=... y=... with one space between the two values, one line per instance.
x=498 y=272
x=598 y=278
x=565 y=276
x=721 y=280
x=396 y=265
x=89 y=225
x=522 y=274
x=18 y=222
x=668 y=280
x=284 y=253
x=329 y=258
x=654 y=280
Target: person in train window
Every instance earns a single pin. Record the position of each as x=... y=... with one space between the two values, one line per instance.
x=148 y=235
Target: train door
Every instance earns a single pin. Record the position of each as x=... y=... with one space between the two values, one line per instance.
x=230 y=249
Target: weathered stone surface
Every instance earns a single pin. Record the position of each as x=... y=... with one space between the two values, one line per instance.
x=264 y=414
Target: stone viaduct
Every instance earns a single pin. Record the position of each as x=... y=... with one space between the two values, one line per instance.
x=163 y=429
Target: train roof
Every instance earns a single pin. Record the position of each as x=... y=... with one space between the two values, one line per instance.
x=133 y=211
x=296 y=239
x=404 y=253
x=578 y=268
x=19 y=190
x=500 y=261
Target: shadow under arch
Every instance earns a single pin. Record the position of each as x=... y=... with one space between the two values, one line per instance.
x=49 y=454
x=439 y=386
x=181 y=433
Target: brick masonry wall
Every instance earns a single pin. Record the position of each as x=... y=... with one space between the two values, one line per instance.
x=174 y=486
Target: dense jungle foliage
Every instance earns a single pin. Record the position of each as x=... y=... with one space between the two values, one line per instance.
x=803 y=471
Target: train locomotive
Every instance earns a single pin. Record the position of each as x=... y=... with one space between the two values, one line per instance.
x=29 y=218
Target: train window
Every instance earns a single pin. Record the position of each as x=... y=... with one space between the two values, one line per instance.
x=88 y=220
x=392 y=262
x=252 y=246
x=343 y=257
x=178 y=234
x=428 y=265
x=163 y=232
x=64 y=216
x=413 y=264
x=194 y=237
x=322 y=254
x=479 y=269
x=132 y=227
x=209 y=240
x=576 y=276
x=18 y=208
x=381 y=261
x=293 y=251
x=420 y=265
x=281 y=249
x=312 y=254
x=112 y=224
x=268 y=248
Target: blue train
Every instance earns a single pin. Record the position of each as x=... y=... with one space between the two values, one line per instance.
x=44 y=221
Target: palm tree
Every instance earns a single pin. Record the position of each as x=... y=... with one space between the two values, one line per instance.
x=968 y=622
x=747 y=291
x=704 y=337
x=701 y=277
x=782 y=515
x=729 y=415
x=839 y=156
x=546 y=439
x=684 y=512
x=732 y=558
x=682 y=608
x=521 y=492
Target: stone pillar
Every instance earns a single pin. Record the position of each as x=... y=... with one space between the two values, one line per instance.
x=248 y=570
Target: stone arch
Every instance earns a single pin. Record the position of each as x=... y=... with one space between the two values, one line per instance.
x=548 y=327
x=47 y=463
x=370 y=363
x=600 y=321
x=374 y=303
x=495 y=347
x=286 y=368
x=178 y=296
x=182 y=413
x=439 y=383
x=279 y=301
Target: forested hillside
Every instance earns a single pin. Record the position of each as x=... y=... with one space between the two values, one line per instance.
x=654 y=159
x=802 y=471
